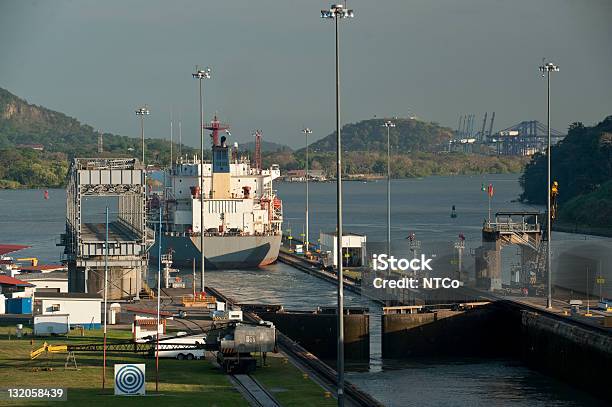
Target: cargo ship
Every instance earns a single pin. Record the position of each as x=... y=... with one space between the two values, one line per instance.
x=243 y=216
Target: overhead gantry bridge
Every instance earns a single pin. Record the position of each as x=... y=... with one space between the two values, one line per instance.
x=121 y=181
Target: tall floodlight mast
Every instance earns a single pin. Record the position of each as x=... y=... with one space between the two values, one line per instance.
x=338 y=12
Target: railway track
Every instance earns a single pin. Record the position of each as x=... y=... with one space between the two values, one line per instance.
x=309 y=363
x=255 y=393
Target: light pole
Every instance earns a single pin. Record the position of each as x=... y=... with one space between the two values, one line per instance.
x=171 y=137
x=388 y=124
x=142 y=112
x=105 y=298
x=306 y=132
x=546 y=69
x=201 y=74
x=336 y=12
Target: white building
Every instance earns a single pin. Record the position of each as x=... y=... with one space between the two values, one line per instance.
x=53 y=282
x=353 y=247
x=84 y=309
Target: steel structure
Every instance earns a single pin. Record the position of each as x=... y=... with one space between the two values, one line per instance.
x=127 y=235
x=524 y=138
x=509 y=228
x=258 y=161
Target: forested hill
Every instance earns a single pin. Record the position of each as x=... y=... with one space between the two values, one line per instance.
x=266 y=147
x=22 y=123
x=582 y=164
x=409 y=135
x=36 y=144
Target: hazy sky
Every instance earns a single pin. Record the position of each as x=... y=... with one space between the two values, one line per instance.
x=273 y=61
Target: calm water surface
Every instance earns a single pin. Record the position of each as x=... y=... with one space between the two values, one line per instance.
x=421 y=206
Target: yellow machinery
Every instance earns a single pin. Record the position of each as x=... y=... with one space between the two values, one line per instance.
x=48 y=348
x=32 y=260
x=554 y=192
x=200 y=300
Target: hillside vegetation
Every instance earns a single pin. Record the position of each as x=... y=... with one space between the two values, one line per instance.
x=62 y=137
x=417 y=150
x=582 y=164
x=415 y=147
x=370 y=135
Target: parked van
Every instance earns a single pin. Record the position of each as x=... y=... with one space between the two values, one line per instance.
x=188 y=354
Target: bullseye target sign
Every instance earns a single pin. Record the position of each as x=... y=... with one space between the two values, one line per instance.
x=129 y=379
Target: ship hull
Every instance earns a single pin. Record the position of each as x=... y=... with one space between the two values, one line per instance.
x=221 y=252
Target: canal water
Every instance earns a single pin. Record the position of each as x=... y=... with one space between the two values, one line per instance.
x=421 y=206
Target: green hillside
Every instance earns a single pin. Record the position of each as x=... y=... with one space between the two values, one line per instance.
x=24 y=125
x=582 y=164
x=266 y=147
x=592 y=209
x=417 y=150
x=370 y=135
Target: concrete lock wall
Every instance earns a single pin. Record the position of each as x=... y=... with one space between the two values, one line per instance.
x=562 y=349
x=318 y=332
x=488 y=266
x=122 y=282
x=481 y=331
x=577 y=355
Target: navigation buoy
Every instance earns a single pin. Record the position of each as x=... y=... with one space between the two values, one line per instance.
x=453 y=212
x=46 y=194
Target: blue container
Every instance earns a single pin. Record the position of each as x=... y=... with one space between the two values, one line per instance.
x=19 y=306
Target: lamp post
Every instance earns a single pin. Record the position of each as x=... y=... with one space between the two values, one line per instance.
x=546 y=70
x=142 y=112
x=306 y=132
x=389 y=124
x=337 y=12
x=201 y=74
x=171 y=137
x=159 y=254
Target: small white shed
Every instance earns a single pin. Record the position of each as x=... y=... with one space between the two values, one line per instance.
x=51 y=324
x=353 y=248
x=83 y=309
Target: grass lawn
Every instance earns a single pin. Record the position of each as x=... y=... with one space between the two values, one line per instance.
x=288 y=385
x=182 y=382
